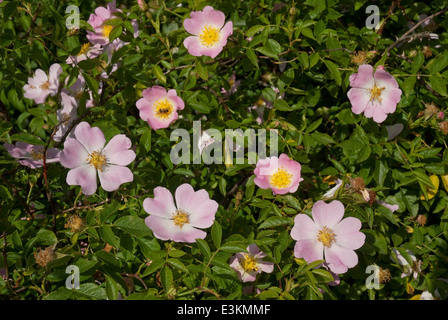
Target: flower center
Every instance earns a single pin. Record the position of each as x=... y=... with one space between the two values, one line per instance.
x=84 y=48
x=163 y=109
x=37 y=155
x=326 y=236
x=249 y=263
x=375 y=93
x=65 y=118
x=45 y=85
x=180 y=218
x=281 y=178
x=106 y=30
x=97 y=160
x=209 y=36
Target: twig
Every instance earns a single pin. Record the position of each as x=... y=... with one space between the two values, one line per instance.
x=135 y=276
x=86 y=206
x=405 y=35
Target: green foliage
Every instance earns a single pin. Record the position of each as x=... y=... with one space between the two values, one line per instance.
x=295 y=57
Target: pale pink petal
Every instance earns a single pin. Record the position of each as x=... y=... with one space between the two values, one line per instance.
x=154 y=93
x=117 y=150
x=112 y=176
x=364 y=77
x=40 y=77
x=199 y=19
x=391 y=97
x=198 y=204
x=92 y=138
x=193 y=46
x=327 y=214
x=15 y=151
x=162 y=205
x=84 y=176
x=385 y=79
x=348 y=234
x=74 y=154
x=188 y=234
x=55 y=71
x=304 y=228
x=359 y=98
x=339 y=259
x=310 y=250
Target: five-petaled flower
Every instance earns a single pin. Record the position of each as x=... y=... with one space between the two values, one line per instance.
x=281 y=175
x=328 y=236
x=374 y=93
x=87 y=154
x=42 y=85
x=209 y=34
x=32 y=155
x=180 y=222
x=248 y=265
x=159 y=107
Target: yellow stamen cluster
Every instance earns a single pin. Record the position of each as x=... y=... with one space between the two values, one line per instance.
x=180 y=218
x=209 y=36
x=84 y=48
x=97 y=160
x=326 y=236
x=45 y=85
x=281 y=179
x=106 y=30
x=249 y=263
x=375 y=93
x=162 y=109
x=37 y=155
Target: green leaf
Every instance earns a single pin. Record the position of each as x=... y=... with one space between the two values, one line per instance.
x=254 y=29
x=133 y=225
x=216 y=234
x=438 y=84
x=108 y=236
x=159 y=73
x=111 y=288
x=274 y=222
x=184 y=172
x=205 y=249
x=282 y=105
x=201 y=69
x=334 y=71
x=91 y=291
x=27 y=138
x=166 y=277
x=252 y=57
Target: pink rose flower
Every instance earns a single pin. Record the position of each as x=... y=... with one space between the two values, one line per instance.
x=101 y=30
x=180 y=222
x=209 y=32
x=42 y=85
x=32 y=155
x=248 y=265
x=86 y=155
x=328 y=236
x=88 y=51
x=376 y=94
x=77 y=89
x=96 y=20
x=159 y=107
x=281 y=175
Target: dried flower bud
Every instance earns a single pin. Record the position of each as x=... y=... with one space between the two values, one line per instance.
x=45 y=256
x=372 y=197
x=421 y=219
x=427 y=52
x=75 y=223
x=359 y=58
x=444 y=127
x=383 y=275
x=357 y=184
x=430 y=110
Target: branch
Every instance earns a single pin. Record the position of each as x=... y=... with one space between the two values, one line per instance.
x=405 y=35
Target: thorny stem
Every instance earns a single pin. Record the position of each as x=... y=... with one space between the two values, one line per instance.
x=405 y=35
